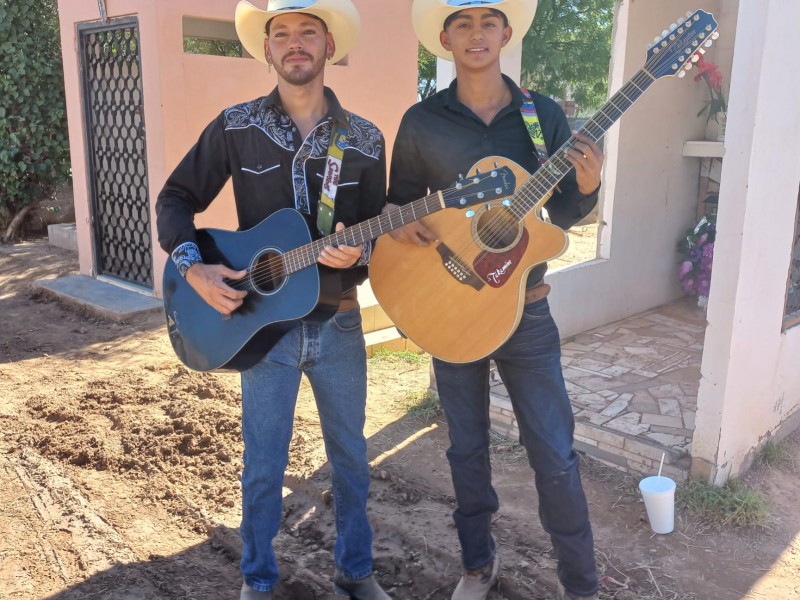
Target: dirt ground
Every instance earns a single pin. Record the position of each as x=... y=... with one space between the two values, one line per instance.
x=119 y=480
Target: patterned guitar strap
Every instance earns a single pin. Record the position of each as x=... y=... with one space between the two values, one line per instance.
x=330 y=180
x=531 y=119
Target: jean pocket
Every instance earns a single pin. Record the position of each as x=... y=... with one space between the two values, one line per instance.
x=537 y=310
x=349 y=320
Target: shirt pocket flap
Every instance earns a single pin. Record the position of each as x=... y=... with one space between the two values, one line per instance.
x=258 y=167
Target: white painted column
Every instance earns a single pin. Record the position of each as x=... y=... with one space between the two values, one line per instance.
x=750 y=384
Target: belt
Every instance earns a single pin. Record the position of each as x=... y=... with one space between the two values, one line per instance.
x=537 y=292
x=348 y=300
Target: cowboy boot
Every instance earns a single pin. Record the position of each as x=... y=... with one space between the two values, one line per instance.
x=475 y=584
x=366 y=588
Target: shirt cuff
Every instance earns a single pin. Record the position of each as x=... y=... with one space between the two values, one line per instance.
x=186 y=255
x=366 y=254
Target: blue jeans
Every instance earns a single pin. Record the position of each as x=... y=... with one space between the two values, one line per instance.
x=333 y=357
x=529 y=364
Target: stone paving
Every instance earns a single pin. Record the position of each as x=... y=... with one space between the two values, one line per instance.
x=633 y=386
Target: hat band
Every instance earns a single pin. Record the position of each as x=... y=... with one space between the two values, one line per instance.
x=287 y=5
x=471 y=2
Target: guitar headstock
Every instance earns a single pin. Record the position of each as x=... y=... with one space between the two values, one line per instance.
x=678 y=48
x=480 y=186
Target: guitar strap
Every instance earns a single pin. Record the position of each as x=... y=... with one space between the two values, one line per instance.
x=330 y=179
x=531 y=119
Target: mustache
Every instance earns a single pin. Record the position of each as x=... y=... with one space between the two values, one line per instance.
x=295 y=53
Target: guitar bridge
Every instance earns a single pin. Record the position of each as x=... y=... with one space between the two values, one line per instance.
x=457 y=268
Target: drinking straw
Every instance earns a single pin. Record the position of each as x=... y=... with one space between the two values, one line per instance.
x=663 y=454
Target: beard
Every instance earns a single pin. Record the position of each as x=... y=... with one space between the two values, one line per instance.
x=303 y=73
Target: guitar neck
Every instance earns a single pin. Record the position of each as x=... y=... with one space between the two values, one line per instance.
x=547 y=176
x=307 y=255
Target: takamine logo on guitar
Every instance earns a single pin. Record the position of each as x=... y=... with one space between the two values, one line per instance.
x=497 y=275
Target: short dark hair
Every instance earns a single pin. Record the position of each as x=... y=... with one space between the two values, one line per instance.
x=324 y=24
x=499 y=13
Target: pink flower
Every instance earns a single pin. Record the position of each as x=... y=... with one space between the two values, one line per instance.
x=687 y=285
x=703 y=285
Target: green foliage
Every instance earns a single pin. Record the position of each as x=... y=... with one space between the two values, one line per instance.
x=34 y=153
x=194 y=45
x=384 y=355
x=427 y=73
x=730 y=504
x=566 y=52
x=775 y=455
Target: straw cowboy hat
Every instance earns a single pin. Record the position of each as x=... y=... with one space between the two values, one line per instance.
x=340 y=16
x=428 y=17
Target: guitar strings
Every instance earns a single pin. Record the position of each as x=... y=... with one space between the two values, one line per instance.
x=498 y=227
x=275 y=268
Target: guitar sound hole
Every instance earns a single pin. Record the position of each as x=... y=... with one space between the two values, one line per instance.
x=496 y=228
x=266 y=273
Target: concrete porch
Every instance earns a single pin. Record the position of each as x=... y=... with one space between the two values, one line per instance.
x=633 y=385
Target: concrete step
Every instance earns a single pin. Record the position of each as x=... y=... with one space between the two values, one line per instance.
x=63 y=235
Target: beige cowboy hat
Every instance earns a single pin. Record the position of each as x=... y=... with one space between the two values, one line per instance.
x=340 y=16
x=428 y=17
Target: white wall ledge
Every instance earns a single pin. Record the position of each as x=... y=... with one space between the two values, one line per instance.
x=704 y=149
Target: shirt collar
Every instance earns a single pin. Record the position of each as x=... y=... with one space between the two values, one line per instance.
x=451 y=98
x=335 y=110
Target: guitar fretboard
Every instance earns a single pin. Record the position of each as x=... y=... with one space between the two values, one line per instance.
x=547 y=176
x=307 y=255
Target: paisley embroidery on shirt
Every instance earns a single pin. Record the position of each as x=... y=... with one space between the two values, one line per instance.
x=276 y=124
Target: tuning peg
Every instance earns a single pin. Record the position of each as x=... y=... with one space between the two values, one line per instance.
x=460 y=177
x=709 y=43
x=715 y=35
x=688 y=66
x=673 y=27
x=656 y=39
x=682 y=74
x=695 y=58
x=688 y=14
x=496 y=164
x=701 y=50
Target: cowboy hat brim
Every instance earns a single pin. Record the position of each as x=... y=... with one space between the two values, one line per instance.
x=340 y=16
x=428 y=17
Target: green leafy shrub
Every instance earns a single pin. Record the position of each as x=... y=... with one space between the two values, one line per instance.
x=34 y=152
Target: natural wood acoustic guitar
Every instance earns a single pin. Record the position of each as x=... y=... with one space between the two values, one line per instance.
x=463 y=297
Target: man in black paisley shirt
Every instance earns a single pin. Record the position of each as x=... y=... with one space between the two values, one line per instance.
x=275 y=149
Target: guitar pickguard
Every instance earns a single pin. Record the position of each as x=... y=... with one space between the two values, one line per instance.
x=496 y=268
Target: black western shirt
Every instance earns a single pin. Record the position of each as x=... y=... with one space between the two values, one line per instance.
x=257 y=145
x=440 y=138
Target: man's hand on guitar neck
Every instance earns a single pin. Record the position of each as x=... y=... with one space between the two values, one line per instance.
x=209 y=282
x=340 y=257
x=413 y=233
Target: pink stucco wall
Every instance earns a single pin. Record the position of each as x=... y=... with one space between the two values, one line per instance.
x=183 y=92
